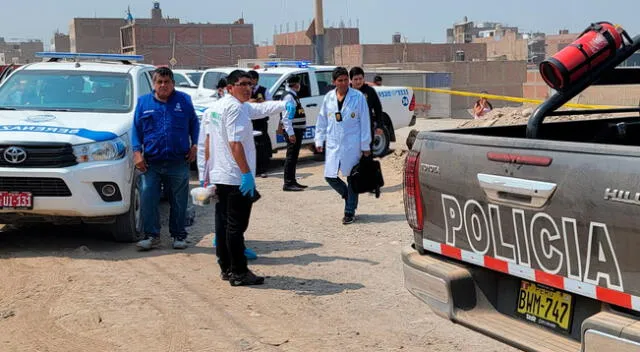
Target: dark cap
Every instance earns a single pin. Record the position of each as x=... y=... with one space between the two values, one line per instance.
x=293 y=80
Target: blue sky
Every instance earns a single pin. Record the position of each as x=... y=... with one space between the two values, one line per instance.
x=417 y=20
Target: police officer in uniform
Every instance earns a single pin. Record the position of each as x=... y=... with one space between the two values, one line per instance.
x=294 y=128
x=263 y=142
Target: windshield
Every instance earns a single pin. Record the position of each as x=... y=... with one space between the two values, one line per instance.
x=210 y=80
x=267 y=80
x=181 y=80
x=195 y=77
x=67 y=91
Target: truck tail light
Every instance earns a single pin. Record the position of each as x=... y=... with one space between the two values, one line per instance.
x=412 y=104
x=412 y=196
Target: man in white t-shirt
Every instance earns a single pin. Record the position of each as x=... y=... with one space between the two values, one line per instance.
x=233 y=168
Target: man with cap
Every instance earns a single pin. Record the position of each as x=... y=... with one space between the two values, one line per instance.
x=294 y=128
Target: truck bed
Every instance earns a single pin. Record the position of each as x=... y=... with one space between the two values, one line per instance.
x=613 y=131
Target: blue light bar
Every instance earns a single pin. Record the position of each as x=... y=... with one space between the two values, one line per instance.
x=94 y=56
x=299 y=64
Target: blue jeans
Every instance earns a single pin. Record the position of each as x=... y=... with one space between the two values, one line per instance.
x=346 y=192
x=174 y=175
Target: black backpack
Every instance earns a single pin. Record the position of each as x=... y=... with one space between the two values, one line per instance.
x=366 y=176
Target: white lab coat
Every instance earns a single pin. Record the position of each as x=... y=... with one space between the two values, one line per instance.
x=344 y=140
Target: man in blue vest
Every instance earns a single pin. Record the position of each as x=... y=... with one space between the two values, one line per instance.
x=164 y=142
x=294 y=127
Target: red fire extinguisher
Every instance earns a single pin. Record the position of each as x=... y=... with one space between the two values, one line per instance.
x=596 y=44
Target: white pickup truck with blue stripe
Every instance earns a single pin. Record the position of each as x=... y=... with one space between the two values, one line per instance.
x=397 y=102
x=65 y=149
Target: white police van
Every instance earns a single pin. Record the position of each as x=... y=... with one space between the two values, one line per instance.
x=65 y=146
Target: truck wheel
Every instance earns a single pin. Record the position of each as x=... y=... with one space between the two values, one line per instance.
x=128 y=226
x=381 y=142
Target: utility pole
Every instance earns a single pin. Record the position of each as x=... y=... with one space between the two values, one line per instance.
x=319 y=33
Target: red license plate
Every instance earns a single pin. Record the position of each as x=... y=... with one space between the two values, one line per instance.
x=16 y=200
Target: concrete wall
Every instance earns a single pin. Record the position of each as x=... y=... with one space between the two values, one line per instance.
x=626 y=95
x=496 y=77
x=371 y=54
x=196 y=45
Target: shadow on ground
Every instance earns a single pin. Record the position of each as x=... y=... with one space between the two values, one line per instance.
x=307 y=287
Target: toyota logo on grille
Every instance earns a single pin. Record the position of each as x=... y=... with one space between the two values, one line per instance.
x=15 y=155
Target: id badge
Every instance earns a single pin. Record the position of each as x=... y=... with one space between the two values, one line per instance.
x=338 y=116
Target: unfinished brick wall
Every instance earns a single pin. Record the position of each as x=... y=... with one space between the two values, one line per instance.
x=371 y=54
x=535 y=87
x=196 y=46
x=626 y=95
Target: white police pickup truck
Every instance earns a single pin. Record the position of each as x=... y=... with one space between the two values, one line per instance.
x=397 y=102
x=65 y=154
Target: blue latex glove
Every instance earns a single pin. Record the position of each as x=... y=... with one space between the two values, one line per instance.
x=250 y=254
x=247 y=184
x=291 y=109
x=201 y=183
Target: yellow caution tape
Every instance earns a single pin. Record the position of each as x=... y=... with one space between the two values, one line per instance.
x=507 y=98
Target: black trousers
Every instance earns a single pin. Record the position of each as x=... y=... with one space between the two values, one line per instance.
x=263 y=145
x=293 y=151
x=233 y=211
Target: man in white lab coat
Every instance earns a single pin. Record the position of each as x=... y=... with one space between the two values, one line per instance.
x=343 y=129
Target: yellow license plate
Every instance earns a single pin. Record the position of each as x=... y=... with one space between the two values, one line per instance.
x=545 y=306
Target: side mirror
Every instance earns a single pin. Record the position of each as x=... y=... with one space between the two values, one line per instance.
x=185 y=84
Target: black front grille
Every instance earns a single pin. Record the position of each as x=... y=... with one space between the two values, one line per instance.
x=38 y=186
x=43 y=155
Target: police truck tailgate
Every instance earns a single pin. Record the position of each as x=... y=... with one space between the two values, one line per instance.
x=560 y=214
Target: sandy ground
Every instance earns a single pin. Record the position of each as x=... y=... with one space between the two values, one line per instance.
x=330 y=287
x=520 y=116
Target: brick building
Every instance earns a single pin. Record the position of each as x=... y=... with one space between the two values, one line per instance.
x=292 y=52
x=505 y=45
x=60 y=43
x=102 y=35
x=557 y=42
x=192 y=45
x=368 y=54
x=19 y=52
x=299 y=46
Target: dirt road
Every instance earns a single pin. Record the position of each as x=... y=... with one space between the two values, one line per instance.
x=330 y=287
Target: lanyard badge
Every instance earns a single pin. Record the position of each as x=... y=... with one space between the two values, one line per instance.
x=338 y=116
